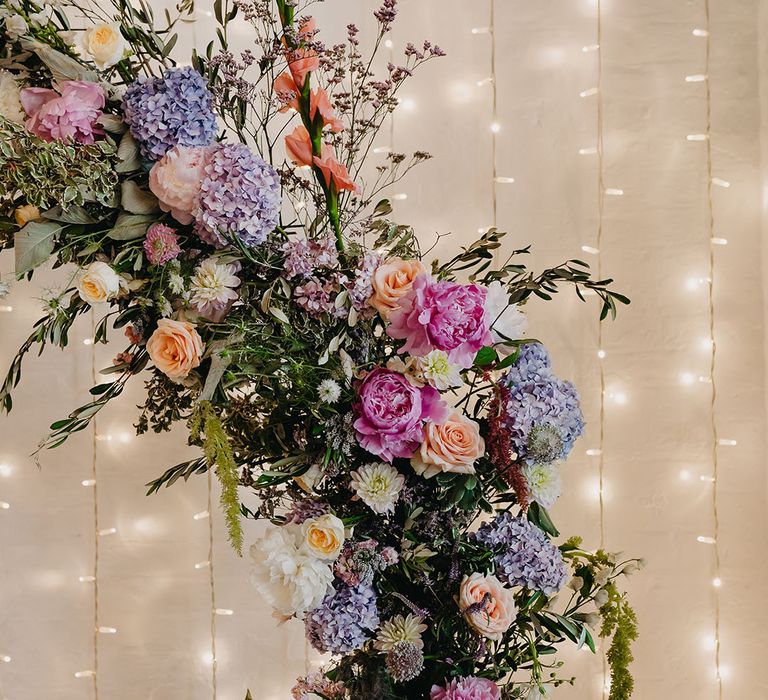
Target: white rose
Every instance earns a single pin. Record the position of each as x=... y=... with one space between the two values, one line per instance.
x=15 y=26
x=103 y=44
x=10 y=104
x=98 y=283
x=324 y=536
x=506 y=320
x=290 y=580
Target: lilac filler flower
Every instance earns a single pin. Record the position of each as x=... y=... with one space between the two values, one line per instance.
x=174 y=110
x=524 y=556
x=161 y=245
x=239 y=197
x=390 y=413
x=442 y=316
x=543 y=413
x=344 y=621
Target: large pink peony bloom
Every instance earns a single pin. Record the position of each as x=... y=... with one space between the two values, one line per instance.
x=442 y=316
x=471 y=688
x=176 y=178
x=390 y=413
x=67 y=116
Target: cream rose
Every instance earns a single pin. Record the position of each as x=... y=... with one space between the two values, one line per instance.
x=391 y=282
x=451 y=446
x=175 y=347
x=175 y=180
x=103 y=44
x=98 y=283
x=324 y=536
x=497 y=614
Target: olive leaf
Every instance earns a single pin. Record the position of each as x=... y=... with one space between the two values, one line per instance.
x=130 y=226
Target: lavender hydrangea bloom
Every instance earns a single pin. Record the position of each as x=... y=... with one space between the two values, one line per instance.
x=174 y=110
x=239 y=196
x=523 y=554
x=344 y=620
x=536 y=399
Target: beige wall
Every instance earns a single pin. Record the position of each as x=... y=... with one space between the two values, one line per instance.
x=655 y=240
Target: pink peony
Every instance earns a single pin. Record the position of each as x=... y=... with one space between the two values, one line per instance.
x=442 y=316
x=390 y=413
x=161 y=244
x=66 y=116
x=470 y=688
x=176 y=179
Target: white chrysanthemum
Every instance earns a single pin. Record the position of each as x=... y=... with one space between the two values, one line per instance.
x=507 y=321
x=289 y=578
x=378 y=485
x=438 y=371
x=544 y=483
x=400 y=629
x=10 y=104
x=176 y=283
x=329 y=391
x=212 y=287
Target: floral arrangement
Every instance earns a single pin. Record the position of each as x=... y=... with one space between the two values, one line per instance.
x=224 y=216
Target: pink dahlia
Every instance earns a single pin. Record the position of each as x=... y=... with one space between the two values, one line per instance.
x=442 y=316
x=66 y=116
x=470 y=688
x=390 y=413
x=161 y=244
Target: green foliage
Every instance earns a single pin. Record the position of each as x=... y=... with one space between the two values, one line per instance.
x=619 y=619
x=54 y=173
x=219 y=453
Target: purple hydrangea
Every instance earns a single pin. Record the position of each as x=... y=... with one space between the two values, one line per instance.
x=362 y=288
x=239 y=197
x=174 y=110
x=524 y=556
x=537 y=400
x=304 y=257
x=344 y=620
x=303 y=510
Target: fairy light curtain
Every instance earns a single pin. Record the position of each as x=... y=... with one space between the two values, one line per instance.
x=678 y=86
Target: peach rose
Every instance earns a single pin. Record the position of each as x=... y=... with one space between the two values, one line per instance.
x=175 y=180
x=26 y=213
x=392 y=281
x=451 y=446
x=494 y=618
x=324 y=536
x=175 y=347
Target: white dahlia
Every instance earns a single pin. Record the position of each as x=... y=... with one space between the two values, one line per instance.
x=378 y=485
x=544 y=483
x=10 y=104
x=289 y=578
x=212 y=288
x=400 y=629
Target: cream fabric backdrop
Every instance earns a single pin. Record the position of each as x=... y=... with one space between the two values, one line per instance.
x=655 y=242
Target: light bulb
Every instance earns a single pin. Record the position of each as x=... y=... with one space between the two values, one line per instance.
x=400 y=196
x=706 y=540
x=504 y=180
x=719 y=182
x=588 y=92
x=717 y=582
x=201 y=515
x=685 y=475
x=495 y=127
x=388 y=43
x=698 y=78
x=408 y=104
x=88 y=341
x=5 y=308
x=484 y=81
x=700 y=32
x=5 y=505
x=719 y=241
x=202 y=564
x=85 y=674
x=382 y=149
x=107 y=531
x=6 y=470
x=725 y=442
x=614 y=191
x=107 y=630
x=88 y=482
x=687 y=378
x=481 y=30
x=589 y=151
x=697 y=137
x=593 y=452
x=590 y=249
x=224 y=611
x=591 y=47
x=707 y=479
x=601 y=354
x=5 y=659
x=86 y=579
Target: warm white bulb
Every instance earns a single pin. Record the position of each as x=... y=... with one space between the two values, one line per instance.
x=706 y=540
x=700 y=32
x=85 y=674
x=202 y=565
x=408 y=104
x=382 y=149
x=717 y=582
x=5 y=505
x=590 y=249
x=601 y=354
x=719 y=182
x=589 y=151
x=687 y=378
x=697 y=137
x=400 y=196
x=685 y=475
x=107 y=630
x=201 y=515
x=5 y=308
x=707 y=479
x=104 y=438
x=388 y=43
x=484 y=81
x=224 y=611
x=591 y=47
x=6 y=470
x=614 y=191
x=719 y=241
x=88 y=341
x=725 y=442
x=588 y=93
x=593 y=452
x=5 y=659
x=495 y=127
x=88 y=482
x=504 y=180
x=481 y=30
x=86 y=579
x=698 y=78
x=107 y=531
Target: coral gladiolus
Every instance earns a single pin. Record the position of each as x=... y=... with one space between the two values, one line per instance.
x=336 y=172
x=287 y=92
x=320 y=102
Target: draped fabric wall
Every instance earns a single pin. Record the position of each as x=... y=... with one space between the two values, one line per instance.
x=657 y=428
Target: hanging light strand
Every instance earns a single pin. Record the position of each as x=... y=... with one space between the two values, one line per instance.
x=715 y=441
x=495 y=127
x=94 y=484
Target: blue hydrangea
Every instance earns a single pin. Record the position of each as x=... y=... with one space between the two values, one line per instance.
x=537 y=399
x=344 y=620
x=524 y=556
x=239 y=197
x=174 y=110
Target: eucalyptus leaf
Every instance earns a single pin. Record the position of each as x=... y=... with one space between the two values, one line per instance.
x=130 y=226
x=128 y=154
x=34 y=243
x=138 y=201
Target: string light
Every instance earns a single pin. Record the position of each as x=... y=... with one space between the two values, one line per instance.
x=399 y=197
x=6 y=659
x=699 y=78
x=589 y=151
x=5 y=308
x=88 y=482
x=203 y=564
x=4 y=505
x=697 y=137
x=86 y=579
x=201 y=515
x=589 y=92
x=590 y=249
x=710 y=379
